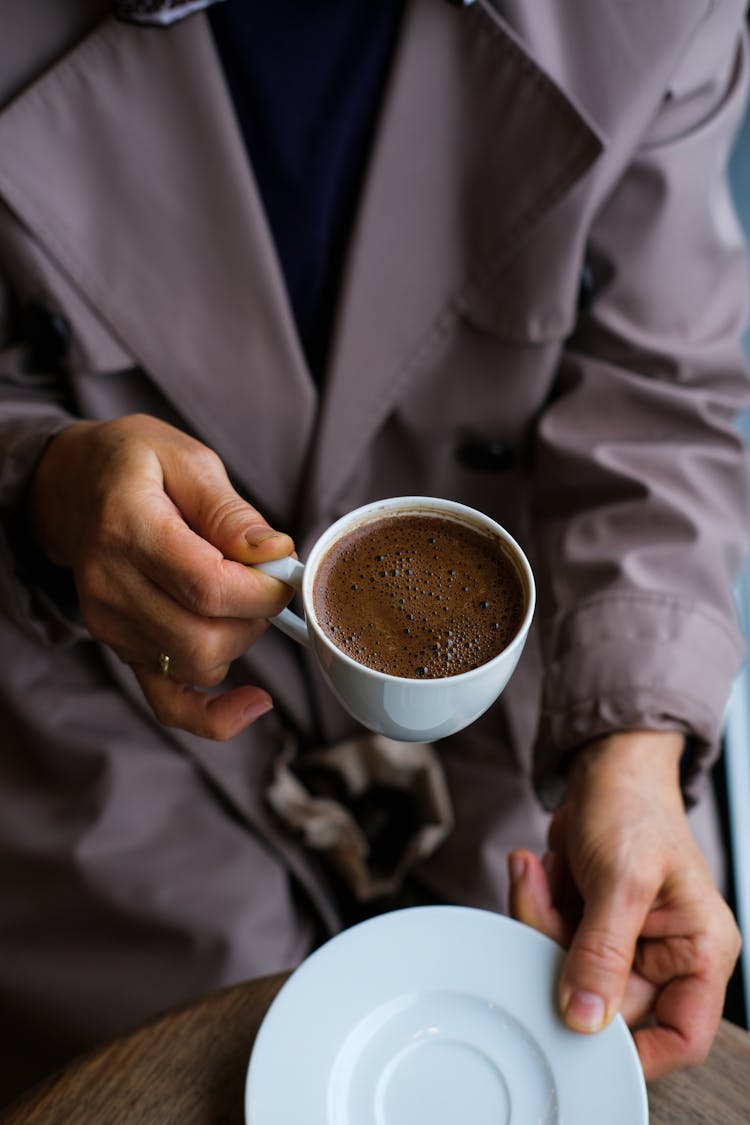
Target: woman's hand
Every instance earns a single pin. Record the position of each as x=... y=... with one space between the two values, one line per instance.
x=159 y=542
x=625 y=888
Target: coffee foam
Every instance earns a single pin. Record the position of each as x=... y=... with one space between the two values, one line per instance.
x=419 y=596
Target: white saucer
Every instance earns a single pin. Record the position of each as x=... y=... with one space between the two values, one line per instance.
x=441 y=1015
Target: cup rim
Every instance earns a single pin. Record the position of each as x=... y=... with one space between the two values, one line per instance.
x=410 y=505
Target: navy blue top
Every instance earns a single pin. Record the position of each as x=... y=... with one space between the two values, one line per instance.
x=306 y=78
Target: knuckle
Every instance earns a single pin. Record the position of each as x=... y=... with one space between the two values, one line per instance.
x=729 y=934
x=109 y=523
x=162 y=709
x=203 y=596
x=697 y=1049
x=721 y=937
x=636 y=881
x=602 y=954
x=212 y=677
x=205 y=458
x=224 y=516
x=203 y=657
x=701 y=953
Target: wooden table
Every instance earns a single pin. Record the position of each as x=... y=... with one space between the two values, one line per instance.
x=188 y=1068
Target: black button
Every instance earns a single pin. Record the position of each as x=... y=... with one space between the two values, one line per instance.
x=46 y=334
x=586 y=288
x=489 y=456
x=596 y=274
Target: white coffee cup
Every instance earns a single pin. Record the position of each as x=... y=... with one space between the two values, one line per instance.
x=410 y=710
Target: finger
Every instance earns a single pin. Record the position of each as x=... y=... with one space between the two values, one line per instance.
x=598 y=965
x=216 y=512
x=688 y=1012
x=681 y=934
x=554 y=910
x=639 y=994
x=531 y=898
x=638 y=1001
x=200 y=649
x=202 y=656
x=195 y=574
x=216 y=717
x=689 y=968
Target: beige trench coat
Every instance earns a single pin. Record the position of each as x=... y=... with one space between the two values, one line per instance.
x=539 y=316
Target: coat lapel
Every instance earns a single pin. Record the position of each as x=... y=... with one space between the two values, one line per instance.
x=475 y=145
x=133 y=134
x=100 y=142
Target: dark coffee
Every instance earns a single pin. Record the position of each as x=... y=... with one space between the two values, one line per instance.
x=418 y=596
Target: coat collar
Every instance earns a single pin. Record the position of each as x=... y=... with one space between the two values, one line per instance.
x=160 y=13
x=452 y=193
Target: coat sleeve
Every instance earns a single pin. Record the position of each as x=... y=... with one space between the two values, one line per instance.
x=38 y=597
x=640 y=475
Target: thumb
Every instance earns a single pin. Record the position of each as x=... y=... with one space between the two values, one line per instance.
x=598 y=964
x=201 y=490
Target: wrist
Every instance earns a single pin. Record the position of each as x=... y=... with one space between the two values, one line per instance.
x=630 y=758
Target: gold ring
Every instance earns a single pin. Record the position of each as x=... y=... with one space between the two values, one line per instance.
x=164 y=663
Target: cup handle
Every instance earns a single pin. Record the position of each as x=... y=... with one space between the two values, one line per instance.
x=291 y=571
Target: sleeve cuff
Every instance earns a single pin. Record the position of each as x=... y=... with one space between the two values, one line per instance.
x=635 y=662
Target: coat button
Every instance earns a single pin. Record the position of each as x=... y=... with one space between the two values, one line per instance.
x=596 y=274
x=490 y=456
x=46 y=334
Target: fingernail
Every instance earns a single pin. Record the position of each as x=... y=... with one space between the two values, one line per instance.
x=517 y=867
x=254 y=536
x=255 y=710
x=585 y=1011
